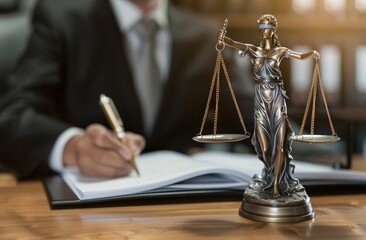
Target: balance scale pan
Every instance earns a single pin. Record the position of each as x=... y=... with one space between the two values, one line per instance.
x=217 y=138
x=315 y=138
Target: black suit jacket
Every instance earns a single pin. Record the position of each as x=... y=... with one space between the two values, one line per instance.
x=74 y=54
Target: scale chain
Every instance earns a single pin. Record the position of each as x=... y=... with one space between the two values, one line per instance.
x=308 y=102
x=233 y=97
x=312 y=99
x=217 y=95
x=325 y=103
x=216 y=81
x=213 y=81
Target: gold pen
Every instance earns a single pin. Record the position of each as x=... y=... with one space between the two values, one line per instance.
x=116 y=122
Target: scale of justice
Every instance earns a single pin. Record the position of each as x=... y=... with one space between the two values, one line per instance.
x=274 y=195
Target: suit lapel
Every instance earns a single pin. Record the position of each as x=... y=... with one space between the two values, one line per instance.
x=178 y=30
x=120 y=85
x=178 y=55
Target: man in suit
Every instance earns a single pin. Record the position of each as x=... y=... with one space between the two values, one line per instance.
x=80 y=49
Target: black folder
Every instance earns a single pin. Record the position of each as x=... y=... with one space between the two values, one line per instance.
x=61 y=196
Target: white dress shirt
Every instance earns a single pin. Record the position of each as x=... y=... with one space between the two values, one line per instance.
x=127 y=15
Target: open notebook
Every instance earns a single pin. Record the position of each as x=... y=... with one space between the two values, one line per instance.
x=167 y=172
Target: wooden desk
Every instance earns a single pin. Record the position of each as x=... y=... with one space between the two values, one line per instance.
x=25 y=213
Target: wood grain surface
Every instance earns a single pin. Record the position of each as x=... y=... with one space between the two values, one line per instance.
x=25 y=214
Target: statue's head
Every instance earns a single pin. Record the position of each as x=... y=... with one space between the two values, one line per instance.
x=267 y=21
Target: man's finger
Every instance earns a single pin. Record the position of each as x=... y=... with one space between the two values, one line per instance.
x=103 y=164
x=104 y=138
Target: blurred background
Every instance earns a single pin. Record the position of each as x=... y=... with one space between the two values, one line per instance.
x=335 y=28
x=14 y=30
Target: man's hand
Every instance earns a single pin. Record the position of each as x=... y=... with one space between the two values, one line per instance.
x=98 y=152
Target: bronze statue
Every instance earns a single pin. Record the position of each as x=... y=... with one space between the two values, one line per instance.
x=276 y=186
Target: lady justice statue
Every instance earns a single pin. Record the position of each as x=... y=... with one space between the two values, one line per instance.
x=275 y=195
